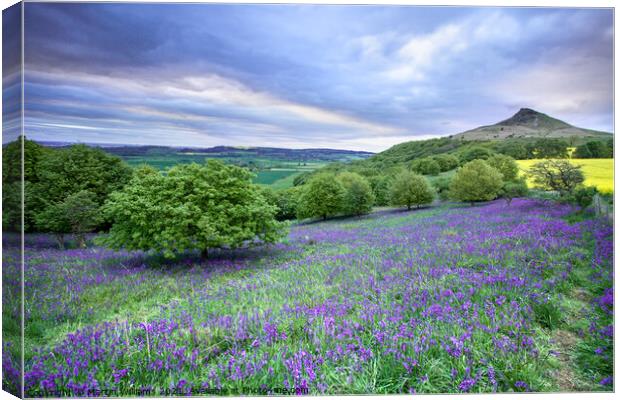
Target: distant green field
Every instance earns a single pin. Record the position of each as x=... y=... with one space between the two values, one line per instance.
x=277 y=174
x=268 y=177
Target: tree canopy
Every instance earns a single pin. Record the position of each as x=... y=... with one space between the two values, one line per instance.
x=322 y=197
x=506 y=165
x=426 y=166
x=358 y=197
x=78 y=213
x=410 y=189
x=476 y=181
x=557 y=175
x=192 y=207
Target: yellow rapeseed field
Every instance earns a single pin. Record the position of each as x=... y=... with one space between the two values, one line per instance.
x=599 y=172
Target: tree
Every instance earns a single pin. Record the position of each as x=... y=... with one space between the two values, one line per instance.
x=515 y=188
x=505 y=165
x=77 y=214
x=476 y=181
x=593 y=149
x=322 y=197
x=79 y=167
x=514 y=149
x=425 y=166
x=12 y=183
x=557 y=175
x=410 y=189
x=550 y=148
x=474 y=153
x=191 y=207
x=287 y=200
x=358 y=198
x=12 y=160
x=380 y=185
x=447 y=162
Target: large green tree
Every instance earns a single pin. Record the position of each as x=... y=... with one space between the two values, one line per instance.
x=410 y=189
x=358 y=197
x=476 y=181
x=191 y=207
x=69 y=170
x=506 y=165
x=322 y=197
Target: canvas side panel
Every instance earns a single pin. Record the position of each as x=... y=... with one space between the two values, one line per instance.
x=12 y=201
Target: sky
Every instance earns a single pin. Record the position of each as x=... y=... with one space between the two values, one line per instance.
x=307 y=76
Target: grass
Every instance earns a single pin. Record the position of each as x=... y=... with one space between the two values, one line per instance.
x=598 y=172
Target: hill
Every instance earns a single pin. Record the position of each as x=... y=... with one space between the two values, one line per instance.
x=521 y=136
x=236 y=152
x=528 y=123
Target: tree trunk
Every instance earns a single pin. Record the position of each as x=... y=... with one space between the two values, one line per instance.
x=408 y=206
x=473 y=203
x=204 y=253
x=60 y=239
x=81 y=241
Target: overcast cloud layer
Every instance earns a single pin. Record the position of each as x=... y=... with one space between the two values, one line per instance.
x=351 y=77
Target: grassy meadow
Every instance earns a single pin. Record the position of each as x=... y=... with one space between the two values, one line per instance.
x=491 y=298
x=598 y=172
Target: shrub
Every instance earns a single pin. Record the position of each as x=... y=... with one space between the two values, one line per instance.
x=476 y=181
x=425 y=166
x=192 y=207
x=358 y=197
x=584 y=195
x=322 y=197
x=409 y=189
